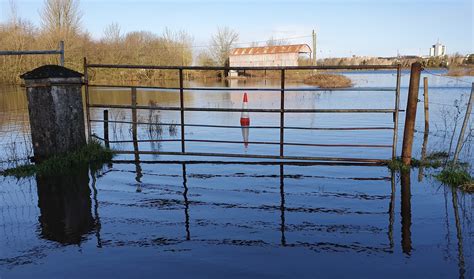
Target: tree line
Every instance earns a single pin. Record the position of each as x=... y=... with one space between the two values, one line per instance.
x=61 y=20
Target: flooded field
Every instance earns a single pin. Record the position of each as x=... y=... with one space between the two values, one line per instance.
x=238 y=218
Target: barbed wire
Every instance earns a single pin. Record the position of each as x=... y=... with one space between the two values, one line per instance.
x=439 y=104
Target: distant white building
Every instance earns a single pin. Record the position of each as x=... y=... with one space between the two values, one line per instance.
x=437 y=50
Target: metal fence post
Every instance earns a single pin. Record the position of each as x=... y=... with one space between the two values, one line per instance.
x=181 y=106
x=396 y=113
x=134 y=120
x=106 y=128
x=61 y=53
x=464 y=125
x=282 y=113
x=412 y=103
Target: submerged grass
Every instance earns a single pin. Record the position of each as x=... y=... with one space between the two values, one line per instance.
x=93 y=154
x=456 y=175
x=429 y=162
x=452 y=174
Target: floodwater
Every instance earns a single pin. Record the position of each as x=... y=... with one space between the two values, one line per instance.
x=238 y=218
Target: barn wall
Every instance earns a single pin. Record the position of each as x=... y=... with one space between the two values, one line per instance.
x=261 y=60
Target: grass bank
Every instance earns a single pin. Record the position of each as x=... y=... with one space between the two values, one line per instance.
x=93 y=154
x=328 y=81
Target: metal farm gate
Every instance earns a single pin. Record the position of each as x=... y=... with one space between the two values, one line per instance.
x=181 y=70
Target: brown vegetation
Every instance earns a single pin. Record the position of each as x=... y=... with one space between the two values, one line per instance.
x=328 y=81
x=61 y=20
x=461 y=71
x=405 y=61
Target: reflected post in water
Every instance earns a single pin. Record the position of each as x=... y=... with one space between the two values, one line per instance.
x=282 y=205
x=65 y=207
x=391 y=209
x=406 y=211
x=138 y=169
x=186 y=203
x=461 y=263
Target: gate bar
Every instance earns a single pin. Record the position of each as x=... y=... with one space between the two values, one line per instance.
x=251 y=110
x=254 y=156
x=252 y=127
x=220 y=68
x=377 y=89
x=258 y=142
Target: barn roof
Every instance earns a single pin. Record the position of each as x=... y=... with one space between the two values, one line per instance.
x=301 y=48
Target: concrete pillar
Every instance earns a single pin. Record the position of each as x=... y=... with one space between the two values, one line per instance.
x=55 y=110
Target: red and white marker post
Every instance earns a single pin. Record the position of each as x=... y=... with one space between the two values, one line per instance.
x=245 y=121
x=244 y=117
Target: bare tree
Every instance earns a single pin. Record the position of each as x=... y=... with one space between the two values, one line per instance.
x=112 y=33
x=61 y=18
x=222 y=43
x=205 y=59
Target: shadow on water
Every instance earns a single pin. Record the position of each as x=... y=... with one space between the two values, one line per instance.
x=65 y=207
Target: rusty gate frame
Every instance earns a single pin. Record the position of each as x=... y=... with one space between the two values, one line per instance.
x=282 y=110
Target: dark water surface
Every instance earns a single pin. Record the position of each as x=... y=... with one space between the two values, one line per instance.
x=234 y=220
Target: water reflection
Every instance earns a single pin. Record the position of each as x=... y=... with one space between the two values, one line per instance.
x=205 y=207
x=65 y=207
x=406 y=211
x=391 y=209
x=186 y=203
x=206 y=210
x=461 y=263
x=245 y=136
x=282 y=205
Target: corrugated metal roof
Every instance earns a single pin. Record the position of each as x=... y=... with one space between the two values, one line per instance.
x=301 y=48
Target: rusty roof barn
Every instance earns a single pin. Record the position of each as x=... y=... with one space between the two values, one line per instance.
x=285 y=55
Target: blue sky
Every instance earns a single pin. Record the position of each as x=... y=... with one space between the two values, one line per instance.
x=344 y=27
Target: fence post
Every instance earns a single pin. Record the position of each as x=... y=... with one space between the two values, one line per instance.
x=106 y=128
x=396 y=113
x=181 y=106
x=134 y=121
x=282 y=112
x=427 y=126
x=86 y=91
x=464 y=125
x=426 y=105
x=61 y=53
x=410 y=117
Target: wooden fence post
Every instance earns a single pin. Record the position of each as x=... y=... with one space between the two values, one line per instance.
x=427 y=126
x=410 y=118
x=464 y=125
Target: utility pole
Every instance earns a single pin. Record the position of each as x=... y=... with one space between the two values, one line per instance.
x=314 y=48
